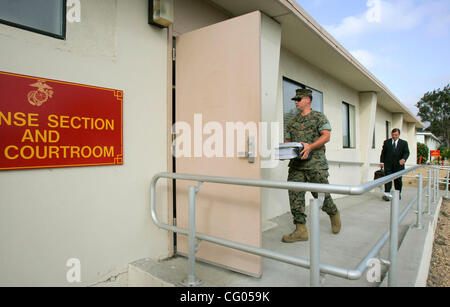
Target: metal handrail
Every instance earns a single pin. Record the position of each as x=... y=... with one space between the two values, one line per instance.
x=294 y=186
x=313 y=264
x=446 y=181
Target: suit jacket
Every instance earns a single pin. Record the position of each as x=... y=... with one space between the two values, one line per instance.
x=391 y=157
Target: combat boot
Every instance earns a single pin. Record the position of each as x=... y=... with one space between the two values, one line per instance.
x=335 y=223
x=300 y=234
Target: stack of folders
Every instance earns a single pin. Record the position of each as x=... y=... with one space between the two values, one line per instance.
x=288 y=151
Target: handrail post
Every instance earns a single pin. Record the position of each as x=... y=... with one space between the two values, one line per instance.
x=434 y=185
x=314 y=250
x=437 y=185
x=393 y=244
x=419 y=202
x=446 y=184
x=429 y=193
x=192 y=281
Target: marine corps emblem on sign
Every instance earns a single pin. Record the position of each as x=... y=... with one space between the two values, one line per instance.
x=41 y=94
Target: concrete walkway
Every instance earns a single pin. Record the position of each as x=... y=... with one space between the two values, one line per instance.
x=365 y=219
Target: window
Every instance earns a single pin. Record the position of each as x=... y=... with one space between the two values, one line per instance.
x=348 y=125
x=373 y=140
x=289 y=108
x=46 y=17
x=388 y=130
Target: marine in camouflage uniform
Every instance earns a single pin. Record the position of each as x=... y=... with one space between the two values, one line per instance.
x=307 y=129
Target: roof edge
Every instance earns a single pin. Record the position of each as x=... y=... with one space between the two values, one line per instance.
x=297 y=10
x=429 y=133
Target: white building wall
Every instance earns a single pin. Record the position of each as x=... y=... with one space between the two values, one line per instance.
x=421 y=138
x=432 y=143
x=368 y=112
x=412 y=143
x=405 y=136
x=407 y=133
x=428 y=140
x=382 y=116
x=99 y=215
x=270 y=68
x=190 y=15
x=334 y=93
x=398 y=122
x=347 y=171
x=404 y=131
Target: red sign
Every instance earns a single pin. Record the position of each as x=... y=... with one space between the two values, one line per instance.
x=435 y=153
x=46 y=123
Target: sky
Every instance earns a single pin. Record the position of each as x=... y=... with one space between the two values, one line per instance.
x=404 y=43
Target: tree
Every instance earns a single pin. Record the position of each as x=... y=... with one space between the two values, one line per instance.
x=434 y=108
x=422 y=151
x=445 y=152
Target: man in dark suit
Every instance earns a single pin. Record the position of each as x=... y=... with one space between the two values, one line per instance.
x=393 y=158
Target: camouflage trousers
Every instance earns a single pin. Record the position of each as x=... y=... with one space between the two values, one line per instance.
x=297 y=199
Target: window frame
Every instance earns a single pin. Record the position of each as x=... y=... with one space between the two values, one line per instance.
x=42 y=32
x=351 y=137
x=300 y=85
x=374 y=140
x=388 y=129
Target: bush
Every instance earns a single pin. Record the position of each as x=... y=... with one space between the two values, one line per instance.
x=445 y=152
x=422 y=151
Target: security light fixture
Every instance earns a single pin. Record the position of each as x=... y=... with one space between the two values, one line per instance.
x=160 y=13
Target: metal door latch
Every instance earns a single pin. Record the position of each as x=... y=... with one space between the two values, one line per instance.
x=251 y=150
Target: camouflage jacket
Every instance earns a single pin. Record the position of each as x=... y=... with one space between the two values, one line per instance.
x=307 y=129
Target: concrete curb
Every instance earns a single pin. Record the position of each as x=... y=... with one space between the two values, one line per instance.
x=415 y=263
x=424 y=267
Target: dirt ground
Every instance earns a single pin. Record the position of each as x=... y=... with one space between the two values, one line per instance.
x=412 y=182
x=439 y=275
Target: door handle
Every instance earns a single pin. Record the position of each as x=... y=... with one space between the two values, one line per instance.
x=251 y=150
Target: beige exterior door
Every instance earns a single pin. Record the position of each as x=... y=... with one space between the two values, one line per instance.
x=218 y=80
